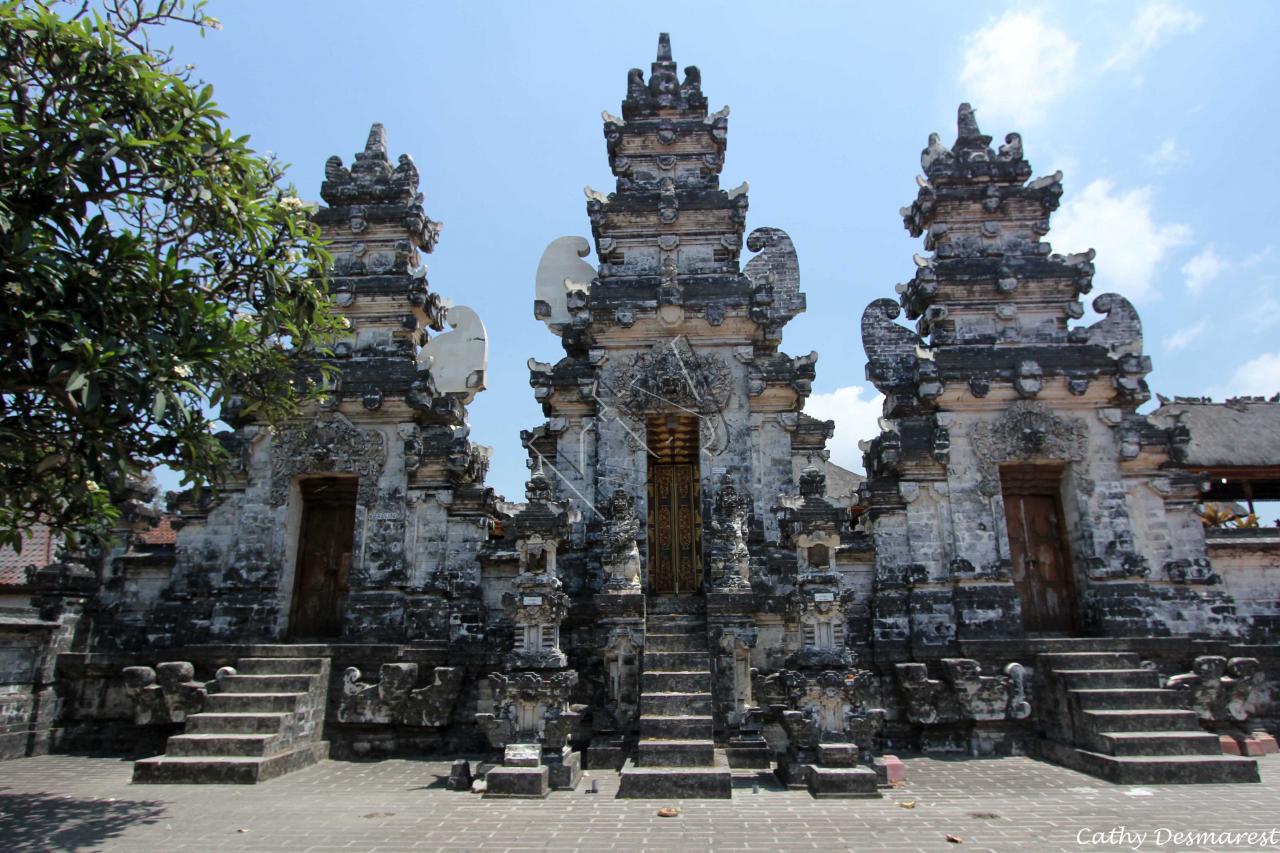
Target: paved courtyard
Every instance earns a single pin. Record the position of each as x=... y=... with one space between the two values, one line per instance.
x=79 y=803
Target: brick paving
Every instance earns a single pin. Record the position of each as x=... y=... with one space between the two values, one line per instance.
x=80 y=803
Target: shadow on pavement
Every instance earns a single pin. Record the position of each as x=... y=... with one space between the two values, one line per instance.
x=59 y=822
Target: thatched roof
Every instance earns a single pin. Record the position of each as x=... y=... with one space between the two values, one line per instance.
x=1242 y=432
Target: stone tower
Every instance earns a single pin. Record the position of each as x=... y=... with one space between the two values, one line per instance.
x=364 y=518
x=1016 y=489
x=675 y=429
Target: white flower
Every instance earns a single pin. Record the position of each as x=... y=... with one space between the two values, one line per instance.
x=291 y=202
x=90 y=486
x=182 y=370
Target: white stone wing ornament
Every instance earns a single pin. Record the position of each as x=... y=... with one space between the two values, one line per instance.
x=560 y=271
x=457 y=359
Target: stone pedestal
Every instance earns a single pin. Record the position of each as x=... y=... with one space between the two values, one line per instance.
x=530 y=783
x=564 y=768
x=749 y=752
x=843 y=782
x=607 y=752
x=459 y=776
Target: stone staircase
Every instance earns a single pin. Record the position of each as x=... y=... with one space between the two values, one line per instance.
x=266 y=720
x=676 y=755
x=1107 y=716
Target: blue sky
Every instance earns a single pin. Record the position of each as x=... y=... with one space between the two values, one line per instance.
x=1159 y=114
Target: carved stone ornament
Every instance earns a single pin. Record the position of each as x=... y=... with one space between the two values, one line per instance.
x=1217 y=689
x=726 y=546
x=530 y=707
x=829 y=707
x=672 y=376
x=1026 y=432
x=169 y=693
x=963 y=693
x=327 y=446
x=393 y=699
x=620 y=557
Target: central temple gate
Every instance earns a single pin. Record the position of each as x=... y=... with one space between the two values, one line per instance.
x=675 y=500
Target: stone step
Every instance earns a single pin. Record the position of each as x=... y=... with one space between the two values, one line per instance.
x=241 y=683
x=222 y=744
x=675 y=704
x=1150 y=720
x=236 y=724
x=279 y=666
x=1153 y=770
x=676 y=620
x=680 y=727
x=675 y=753
x=675 y=682
x=1090 y=678
x=1121 y=698
x=676 y=643
x=685 y=604
x=1153 y=743
x=266 y=703
x=676 y=661
x=848 y=783
x=243 y=770
x=1086 y=660
x=674 y=783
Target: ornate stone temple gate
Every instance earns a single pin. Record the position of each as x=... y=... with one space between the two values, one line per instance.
x=690 y=586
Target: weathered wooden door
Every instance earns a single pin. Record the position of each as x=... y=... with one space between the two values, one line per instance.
x=324 y=557
x=1041 y=570
x=675 y=526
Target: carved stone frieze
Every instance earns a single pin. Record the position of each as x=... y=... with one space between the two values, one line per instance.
x=1026 y=432
x=393 y=698
x=169 y=693
x=1217 y=689
x=963 y=693
x=530 y=707
x=326 y=446
x=672 y=376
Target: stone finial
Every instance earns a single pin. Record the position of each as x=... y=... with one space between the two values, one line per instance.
x=813 y=482
x=561 y=272
x=664 y=47
x=457 y=359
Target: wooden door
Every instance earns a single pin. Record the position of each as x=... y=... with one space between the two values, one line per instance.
x=675 y=518
x=324 y=562
x=1041 y=570
x=673 y=538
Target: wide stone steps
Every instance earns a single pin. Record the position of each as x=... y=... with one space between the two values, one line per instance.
x=1155 y=770
x=676 y=754
x=1154 y=743
x=1146 y=720
x=676 y=661
x=271 y=703
x=236 y=724
x=676 y=682
x=267 y=720
x=1103 y=678
x=1126 y=728
x=1116 y=698
x=677 y=727
x=227 y=770
x=222 y=744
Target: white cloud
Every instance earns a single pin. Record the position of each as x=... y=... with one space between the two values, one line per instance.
x=856 y=417
x=1017 y=67
x=1119 y=224
x=1203 y=269
x=1184 y=336
x=1167 y=157
x=1153 y=24
x=1257 y=377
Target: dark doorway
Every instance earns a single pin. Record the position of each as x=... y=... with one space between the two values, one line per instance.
x=324 y=556
x=1037 y=547
x=675 y=501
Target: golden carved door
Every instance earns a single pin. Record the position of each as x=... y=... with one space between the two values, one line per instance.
x=675 y=518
